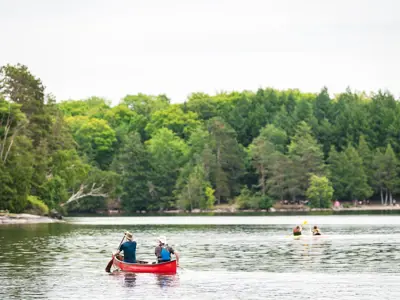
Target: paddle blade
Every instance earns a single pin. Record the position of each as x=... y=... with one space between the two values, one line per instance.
x=108 y=268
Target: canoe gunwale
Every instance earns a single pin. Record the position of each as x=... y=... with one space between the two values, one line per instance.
x=145 y=264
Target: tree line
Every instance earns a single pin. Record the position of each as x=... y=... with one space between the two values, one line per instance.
x=250 y=148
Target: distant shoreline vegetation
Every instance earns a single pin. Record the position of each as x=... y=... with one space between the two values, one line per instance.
x=233 y=212
x=250 y=149
x=247 y=213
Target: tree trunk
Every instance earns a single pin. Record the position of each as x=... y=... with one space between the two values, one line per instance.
x=262 y=179
x=386 y=197
x=381 y=196
x=3 y=143
x=390 y=198
x=3 y=156
x=190 y=198
x=218 y=170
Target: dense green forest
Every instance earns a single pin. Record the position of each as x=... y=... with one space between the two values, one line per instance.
x=251 y=148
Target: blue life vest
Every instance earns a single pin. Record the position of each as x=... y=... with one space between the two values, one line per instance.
x=165 y=255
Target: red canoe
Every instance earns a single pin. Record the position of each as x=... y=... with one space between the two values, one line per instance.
x=143 y=267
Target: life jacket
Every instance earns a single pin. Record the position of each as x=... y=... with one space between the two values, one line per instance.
x=316 y=232
x=164 y=254
x=296 y=231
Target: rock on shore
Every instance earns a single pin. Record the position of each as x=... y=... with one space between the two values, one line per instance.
x=26 y=219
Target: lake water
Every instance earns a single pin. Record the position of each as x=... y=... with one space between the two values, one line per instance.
x=221 y=258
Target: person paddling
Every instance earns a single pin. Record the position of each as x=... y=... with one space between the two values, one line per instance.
x=129 y=249
x=297 y=230
x=163 y=251
x=316 y=230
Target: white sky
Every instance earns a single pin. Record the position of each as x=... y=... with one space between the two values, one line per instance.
x=82 y=48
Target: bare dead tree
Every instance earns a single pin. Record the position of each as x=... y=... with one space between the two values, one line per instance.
x=11 y=125
x=3 y=142
x=6 y=130
x=83 y=192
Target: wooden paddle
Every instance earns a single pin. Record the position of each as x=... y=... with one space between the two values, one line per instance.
x=108 y=268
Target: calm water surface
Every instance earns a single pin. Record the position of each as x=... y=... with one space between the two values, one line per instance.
x=221 y=258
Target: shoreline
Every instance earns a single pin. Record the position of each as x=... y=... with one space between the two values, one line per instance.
x=231 y=211
x=9 y=219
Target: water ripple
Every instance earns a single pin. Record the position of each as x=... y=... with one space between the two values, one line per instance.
x=253 y=261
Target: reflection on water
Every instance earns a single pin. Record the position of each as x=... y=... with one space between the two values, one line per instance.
x=257 y=261
x=161 y=280
x=165 y=281
x=129 y=279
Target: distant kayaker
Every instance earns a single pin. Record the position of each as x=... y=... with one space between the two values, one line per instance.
x=163 y=251
x=129 y=249
x=297 y=230
x=316 y=230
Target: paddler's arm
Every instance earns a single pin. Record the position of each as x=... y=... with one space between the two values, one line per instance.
x=172 y=251
x=118 y=251
x=177 y=258
x=157 y=251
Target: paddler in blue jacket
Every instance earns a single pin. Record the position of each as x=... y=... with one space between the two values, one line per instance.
x=129 y=249
x=163 y=251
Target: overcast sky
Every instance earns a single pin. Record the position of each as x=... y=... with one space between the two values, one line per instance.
x=82 y=48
